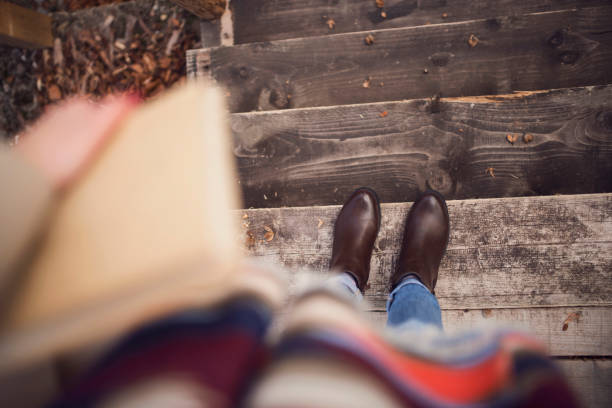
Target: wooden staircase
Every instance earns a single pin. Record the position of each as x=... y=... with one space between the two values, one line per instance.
x=503 y=106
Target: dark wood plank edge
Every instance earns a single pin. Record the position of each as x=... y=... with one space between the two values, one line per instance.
x=262 y=20
x=504 y=253
x=317 y=156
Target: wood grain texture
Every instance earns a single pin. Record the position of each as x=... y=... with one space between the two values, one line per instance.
x=318 y=156
x=210 y=33
x=205 y=9
x=588 y=330
x=21 y=27
x=503 y=253
x=529 y=52
x=591 y=379
x=264 y=20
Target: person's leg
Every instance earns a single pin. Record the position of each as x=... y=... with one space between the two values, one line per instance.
x=411 y=303
x=346 y=283
x=355 y=231
x=426 y=236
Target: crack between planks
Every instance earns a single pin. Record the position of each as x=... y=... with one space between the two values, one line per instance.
x=471 y=308
x=482 y=99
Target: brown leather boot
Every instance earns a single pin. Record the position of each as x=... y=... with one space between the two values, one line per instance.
x=355 y=231
x=425 y=240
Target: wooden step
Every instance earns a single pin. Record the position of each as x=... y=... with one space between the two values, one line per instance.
x=542 y=263
x=318 y=156
x=591 y=379
x=265 y=20
x=529 y=52
x=553 y=251
x=567 y=331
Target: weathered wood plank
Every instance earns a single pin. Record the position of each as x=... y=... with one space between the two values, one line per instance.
x=503 y=253
x=591 y=379
x=264 y=20
x=21 y=27
x=566 y=331
x=318 y=156
x=210 y=34
x=534 y=51
x=206 y=9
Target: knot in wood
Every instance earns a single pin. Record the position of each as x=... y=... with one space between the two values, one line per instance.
x=279 y=99
x=603 y=121
x=557 y=38
x=440 y=59
x=433 y=105
x=569 y=57
x=439 y=180
x=494 y=24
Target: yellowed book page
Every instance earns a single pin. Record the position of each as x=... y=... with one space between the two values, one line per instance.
x=146 y=231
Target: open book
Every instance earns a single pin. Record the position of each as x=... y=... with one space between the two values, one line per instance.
x=148 y=230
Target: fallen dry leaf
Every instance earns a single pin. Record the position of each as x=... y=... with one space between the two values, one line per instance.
x=149 y=61
x=54 y=92
x=250 y=240
x=473 y=40
x=331 y=23
x=58 y=55
x=366 y=83
x=172 y=41
x=137 y=68
x=572 y=317
x=320 y=223
x=269 y=235
x=166 y=76
x=527 y=138
x=444 y=15
x=165 y=62
x=245 y=216
x=119 y=70
x=511 y=138
x=369 y=40
x=383 y=114
x=108 y=20
x=490 y=171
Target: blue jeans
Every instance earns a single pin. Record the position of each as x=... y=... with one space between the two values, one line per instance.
x=410 y=304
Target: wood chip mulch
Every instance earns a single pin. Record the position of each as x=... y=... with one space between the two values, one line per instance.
x=124 y=52
x=137 y=46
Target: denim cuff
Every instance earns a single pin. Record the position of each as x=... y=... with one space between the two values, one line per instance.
x=346 y=282
x=410 y=279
